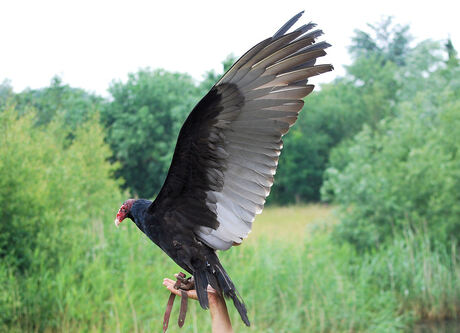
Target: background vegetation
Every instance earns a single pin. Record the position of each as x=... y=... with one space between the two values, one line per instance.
x=381 y=144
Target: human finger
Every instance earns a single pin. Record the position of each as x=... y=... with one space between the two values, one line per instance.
x=169 y=284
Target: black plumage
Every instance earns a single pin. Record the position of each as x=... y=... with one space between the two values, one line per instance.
x=226 y=156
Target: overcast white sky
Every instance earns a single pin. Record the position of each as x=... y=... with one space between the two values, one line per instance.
x=91 y=43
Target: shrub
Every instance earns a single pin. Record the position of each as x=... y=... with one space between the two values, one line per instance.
x=52 y=190
x=404 y=173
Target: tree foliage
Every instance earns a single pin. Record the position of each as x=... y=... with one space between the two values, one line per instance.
x=405 y=173
x=48 y=184
x=388 y=41
x=143 y=121
x=52 y=189
x=74 y=106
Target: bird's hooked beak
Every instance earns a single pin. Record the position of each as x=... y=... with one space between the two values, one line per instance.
x=121 y=215
x=123 y=212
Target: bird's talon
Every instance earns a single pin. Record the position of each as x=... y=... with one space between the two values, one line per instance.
x=183 y=283
x=188 y=284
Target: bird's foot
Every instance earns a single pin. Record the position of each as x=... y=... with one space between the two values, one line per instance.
x=183 y=284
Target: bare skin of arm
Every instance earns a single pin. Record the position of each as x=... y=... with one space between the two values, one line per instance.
x=219 y=313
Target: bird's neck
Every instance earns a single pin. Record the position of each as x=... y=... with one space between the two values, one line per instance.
x=138 y=212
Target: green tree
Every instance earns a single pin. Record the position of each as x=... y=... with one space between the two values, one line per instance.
x=57 y=195
x=6 y=93
x=143 y=121
x=74 y=105
x=48 y=183
x=452 y=58
x=405 y=173
x=385 y=40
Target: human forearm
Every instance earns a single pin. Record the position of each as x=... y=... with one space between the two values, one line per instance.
x=219 y=315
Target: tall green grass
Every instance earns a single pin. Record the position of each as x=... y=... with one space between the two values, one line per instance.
x=310 y=284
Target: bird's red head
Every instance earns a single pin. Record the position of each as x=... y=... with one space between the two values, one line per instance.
x=124 y=211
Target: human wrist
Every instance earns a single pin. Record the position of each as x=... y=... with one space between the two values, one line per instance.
x=215 y=299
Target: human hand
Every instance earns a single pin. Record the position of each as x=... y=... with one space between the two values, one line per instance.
x=213 y=295
x=219 y=314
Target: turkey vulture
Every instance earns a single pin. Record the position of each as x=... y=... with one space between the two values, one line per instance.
x=226 y=156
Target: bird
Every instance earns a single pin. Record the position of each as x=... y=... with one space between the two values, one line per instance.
x=226 y=157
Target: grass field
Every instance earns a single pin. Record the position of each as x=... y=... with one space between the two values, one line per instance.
x=290 y=223
x=291 y=274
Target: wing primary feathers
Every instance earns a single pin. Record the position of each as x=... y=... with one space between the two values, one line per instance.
x=242 y=61
x=316 y=46
x=287 y=25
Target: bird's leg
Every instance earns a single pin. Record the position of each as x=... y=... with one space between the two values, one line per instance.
x=185 y=283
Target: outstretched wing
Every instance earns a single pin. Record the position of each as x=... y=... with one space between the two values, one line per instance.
x=228 y=148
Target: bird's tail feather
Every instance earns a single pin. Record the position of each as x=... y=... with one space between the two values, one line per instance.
x=201 y=286
x=229 y=290
x=217 y=277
